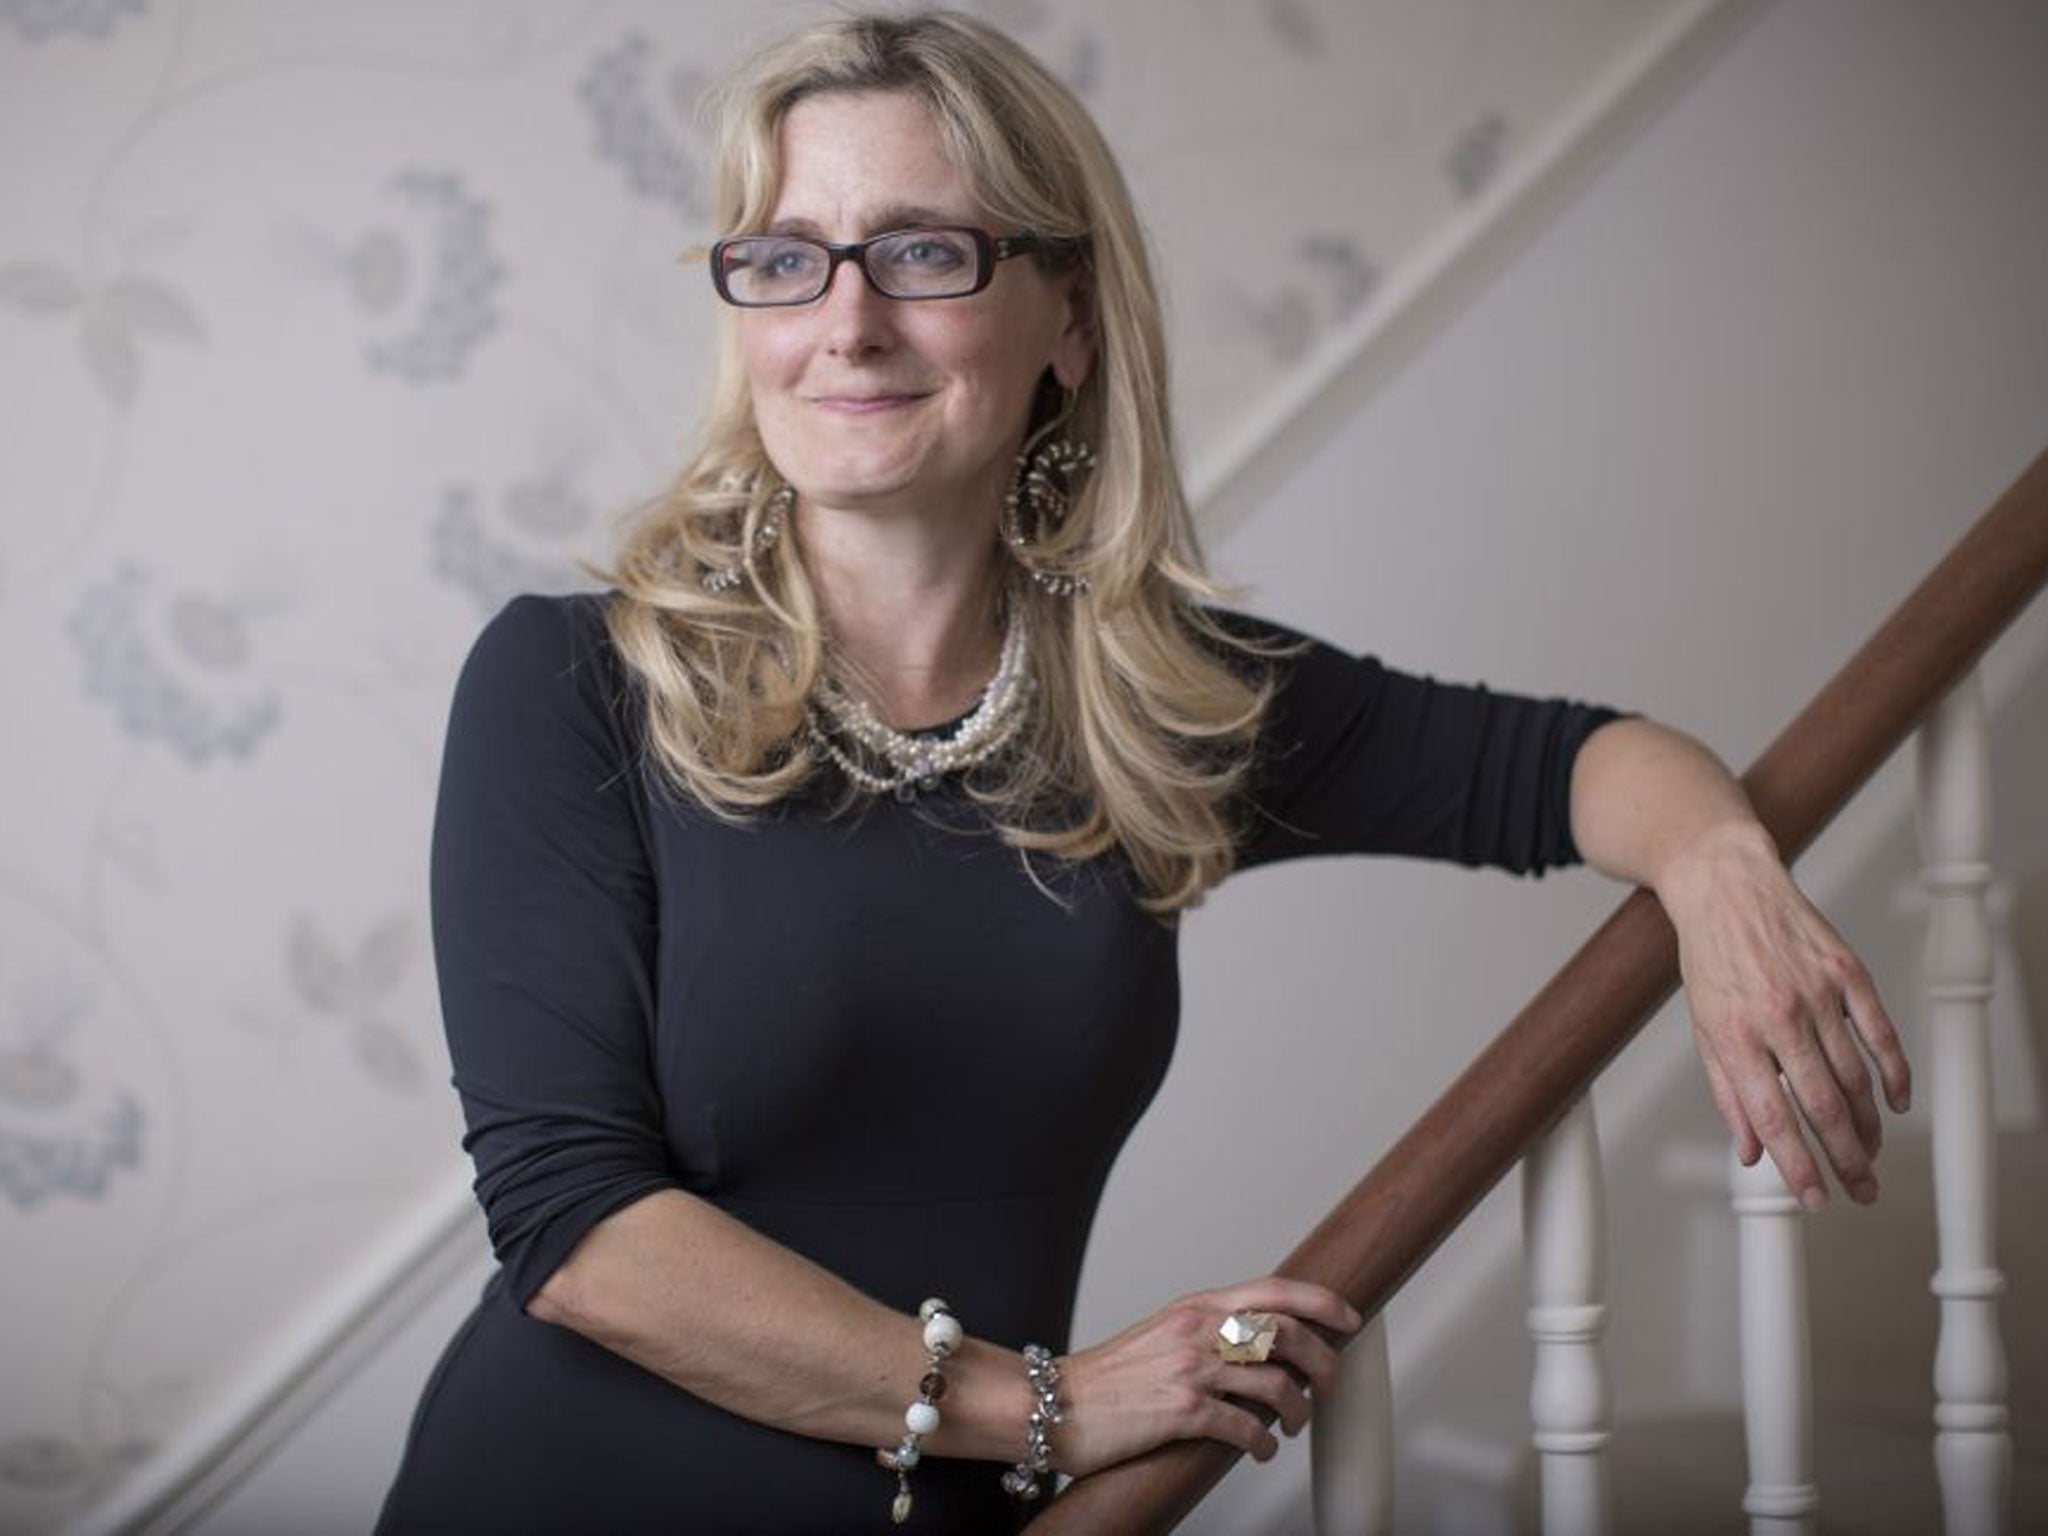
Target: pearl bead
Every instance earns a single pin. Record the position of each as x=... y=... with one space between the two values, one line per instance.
x=930 y=1307
x=942 y=1333
x=921 y=1418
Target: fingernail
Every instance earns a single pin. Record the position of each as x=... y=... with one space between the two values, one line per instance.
x=1814 y=1199
x=1353 y=1319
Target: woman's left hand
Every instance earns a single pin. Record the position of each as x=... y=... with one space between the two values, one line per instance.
x=1775 y=992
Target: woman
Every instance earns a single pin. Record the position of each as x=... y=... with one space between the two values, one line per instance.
x=804 y=908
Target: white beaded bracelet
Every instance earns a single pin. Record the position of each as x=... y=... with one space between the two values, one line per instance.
x=942 y=1336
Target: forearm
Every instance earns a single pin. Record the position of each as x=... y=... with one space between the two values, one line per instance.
x=1647 y=801
x=682 y=1289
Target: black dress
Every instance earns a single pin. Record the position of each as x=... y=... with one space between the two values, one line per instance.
x=872 y=1038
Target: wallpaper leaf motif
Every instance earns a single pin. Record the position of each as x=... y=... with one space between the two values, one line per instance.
x=42 y=1462
x=319 y=973
x=109 y=319
x=143 y=304
x=1475 y=156
x=351 y=988
x=387 y=952
x=386 y=1055
x=38 y=20
x=39 y=288
x=1296 y=26
x=112 y=358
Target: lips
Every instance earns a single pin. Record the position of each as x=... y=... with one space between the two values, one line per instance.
x=866 y=403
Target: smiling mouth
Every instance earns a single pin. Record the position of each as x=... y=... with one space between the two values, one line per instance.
x=864 y=405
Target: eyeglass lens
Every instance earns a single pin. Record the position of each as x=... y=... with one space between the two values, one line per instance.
x=904 y=264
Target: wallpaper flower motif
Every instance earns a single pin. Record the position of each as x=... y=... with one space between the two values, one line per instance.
x=75 y=1159
x=515 y=548
x=173 y=666
x=1323 y=281
x=59 y=1133
x=445 y=293
x=643 y=122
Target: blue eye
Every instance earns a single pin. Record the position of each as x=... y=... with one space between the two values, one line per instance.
x=782 y=261
x=928 y=252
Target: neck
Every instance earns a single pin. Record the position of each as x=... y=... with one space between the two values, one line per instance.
x=912 y=608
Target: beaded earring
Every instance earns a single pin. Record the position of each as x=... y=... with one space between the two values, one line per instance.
x=720 y=580
x=1049 y=470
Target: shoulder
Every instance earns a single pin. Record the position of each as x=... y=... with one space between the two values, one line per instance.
x=541 y=631
x=535 y=639
x=543 y=658
x=1294 y=661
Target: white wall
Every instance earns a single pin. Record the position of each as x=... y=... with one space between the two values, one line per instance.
x=1681 y=454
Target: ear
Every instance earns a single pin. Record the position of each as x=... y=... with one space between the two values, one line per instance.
x=1073 y=350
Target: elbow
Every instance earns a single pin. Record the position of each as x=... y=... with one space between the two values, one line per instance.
x=553 y=1301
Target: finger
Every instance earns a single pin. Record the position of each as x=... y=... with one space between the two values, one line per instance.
x=1845 y=1060
x=1747 y=1147
x=1268 y=1384
x=1239 y=1427
x=1304 y=1349
x=1770 y=1113
x=1826 y=1108
x=1874 y=1025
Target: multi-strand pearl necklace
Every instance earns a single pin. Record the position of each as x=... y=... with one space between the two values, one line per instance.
x=910 y=763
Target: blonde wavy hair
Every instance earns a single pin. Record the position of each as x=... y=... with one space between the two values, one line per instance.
x=1147 y=705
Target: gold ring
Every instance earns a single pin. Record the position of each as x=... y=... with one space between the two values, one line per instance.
x=1246 y=1338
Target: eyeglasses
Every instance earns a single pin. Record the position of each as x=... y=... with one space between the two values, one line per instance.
x=930 y=262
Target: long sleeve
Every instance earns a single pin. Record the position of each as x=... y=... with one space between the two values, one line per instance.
x=1357 y=757
x=544 y=913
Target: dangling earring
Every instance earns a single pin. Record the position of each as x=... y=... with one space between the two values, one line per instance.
x=1049 y=468
x=723 y=579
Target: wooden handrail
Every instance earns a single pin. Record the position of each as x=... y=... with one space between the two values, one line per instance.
x=1534 y=1069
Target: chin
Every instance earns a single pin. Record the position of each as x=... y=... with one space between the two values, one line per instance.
x=864 y=496
x=857 y=485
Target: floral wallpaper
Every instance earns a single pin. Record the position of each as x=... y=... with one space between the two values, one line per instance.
x=324 y=329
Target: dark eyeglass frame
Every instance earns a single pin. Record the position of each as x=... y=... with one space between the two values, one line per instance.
x=988 y=250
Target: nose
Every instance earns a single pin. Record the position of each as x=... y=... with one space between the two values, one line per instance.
x=855 y=317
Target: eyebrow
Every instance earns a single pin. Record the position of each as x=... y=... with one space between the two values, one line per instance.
x=882 y=220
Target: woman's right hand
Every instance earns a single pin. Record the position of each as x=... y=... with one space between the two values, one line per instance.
x=1162 y=1379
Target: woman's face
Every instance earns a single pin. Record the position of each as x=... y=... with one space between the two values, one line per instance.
x=866 y=402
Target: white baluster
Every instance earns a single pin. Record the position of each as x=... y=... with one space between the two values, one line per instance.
x=1351 y=1442
x=1777 y=1370
x=1972 y=1449
x=1563 y=1235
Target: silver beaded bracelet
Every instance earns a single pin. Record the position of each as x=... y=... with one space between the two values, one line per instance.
x=1021 y=1481
x=942 y=1335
